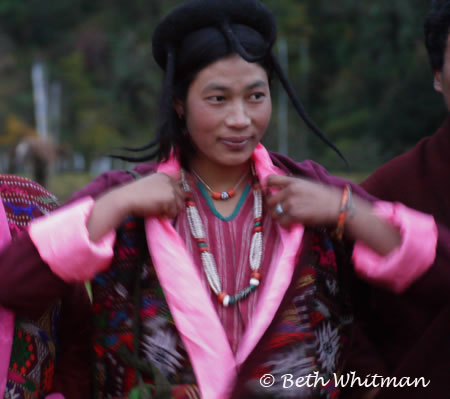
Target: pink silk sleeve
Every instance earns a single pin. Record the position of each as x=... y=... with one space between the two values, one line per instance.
x=62 y=240
x=407 y=263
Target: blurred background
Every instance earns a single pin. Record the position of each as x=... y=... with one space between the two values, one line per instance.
x=77 y=81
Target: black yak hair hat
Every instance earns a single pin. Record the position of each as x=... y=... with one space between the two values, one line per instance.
x=197 y=14
x=224 y=16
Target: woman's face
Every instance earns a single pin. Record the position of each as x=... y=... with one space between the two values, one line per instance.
x=227 y=110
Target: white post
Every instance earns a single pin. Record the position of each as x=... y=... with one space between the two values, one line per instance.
x=40 y=98
x=55 y=110
x=282 y=116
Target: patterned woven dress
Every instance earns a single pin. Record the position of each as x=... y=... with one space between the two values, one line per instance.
x=34 y=350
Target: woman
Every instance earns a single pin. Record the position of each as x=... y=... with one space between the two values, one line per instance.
x=237 y=270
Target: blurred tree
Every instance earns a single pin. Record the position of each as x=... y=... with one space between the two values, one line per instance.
x=15 y=129
x=373 y=77
x=359 y=67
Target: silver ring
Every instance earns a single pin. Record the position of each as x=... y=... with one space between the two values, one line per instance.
x=279 y=209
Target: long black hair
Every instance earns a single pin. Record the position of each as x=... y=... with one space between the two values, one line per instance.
x=437 y=29
x=195 y=35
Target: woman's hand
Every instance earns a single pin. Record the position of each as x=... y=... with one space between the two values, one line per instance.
x=155 y=195
x=314 y=204
x=303 y=201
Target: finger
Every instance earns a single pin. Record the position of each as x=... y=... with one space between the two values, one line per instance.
x=177 y=201
x=278 y=211
x=177 y=187
x=273 y=199
x=285 y=221
x=278 y=181
x=175 y=210
x=179 y=192
x=171 y=210
x=180 y=202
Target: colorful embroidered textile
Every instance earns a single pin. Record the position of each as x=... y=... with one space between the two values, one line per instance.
x=131 y=275
x=313 y=322
x=24 y=200
x=311 y=331
x=33 y=354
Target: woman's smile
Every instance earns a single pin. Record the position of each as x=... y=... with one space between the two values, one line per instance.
x=235 y=143
x=227 y=111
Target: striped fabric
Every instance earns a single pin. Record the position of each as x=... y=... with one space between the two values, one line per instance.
x=233 y=265
x=24 y=200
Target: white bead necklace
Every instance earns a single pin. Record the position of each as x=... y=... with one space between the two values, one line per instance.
x=209 y=264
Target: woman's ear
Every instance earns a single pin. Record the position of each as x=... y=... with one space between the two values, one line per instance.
x=437 y=83
x=178 y=105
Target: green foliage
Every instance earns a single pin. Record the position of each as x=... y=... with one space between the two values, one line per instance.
x=359 y=67
x=34 y=22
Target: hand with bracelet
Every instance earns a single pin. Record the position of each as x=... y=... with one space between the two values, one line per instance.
x=303 y=201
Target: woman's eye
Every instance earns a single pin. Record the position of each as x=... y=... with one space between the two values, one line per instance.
x=216 y=99
x=257 y=96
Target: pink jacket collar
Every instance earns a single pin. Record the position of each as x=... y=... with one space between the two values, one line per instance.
x=199 y=326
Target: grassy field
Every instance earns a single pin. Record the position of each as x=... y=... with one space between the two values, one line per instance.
x=356 y=177
x=64 y=184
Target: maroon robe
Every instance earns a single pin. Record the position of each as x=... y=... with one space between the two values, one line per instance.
x=35 y=294
x=32 y=296
x=408 y=335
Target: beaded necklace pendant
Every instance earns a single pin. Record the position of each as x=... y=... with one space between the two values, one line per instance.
x=208 y=261
x=224 y=195
x=221 y=195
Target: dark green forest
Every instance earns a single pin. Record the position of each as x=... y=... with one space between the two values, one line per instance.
x=360 y=68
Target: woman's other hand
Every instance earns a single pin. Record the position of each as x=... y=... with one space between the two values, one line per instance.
x=302 y=201
x=154 y=195
x=309 y=203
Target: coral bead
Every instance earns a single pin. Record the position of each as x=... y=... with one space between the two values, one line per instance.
x=215 y=195
x=256 y=275
x=221 y=296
